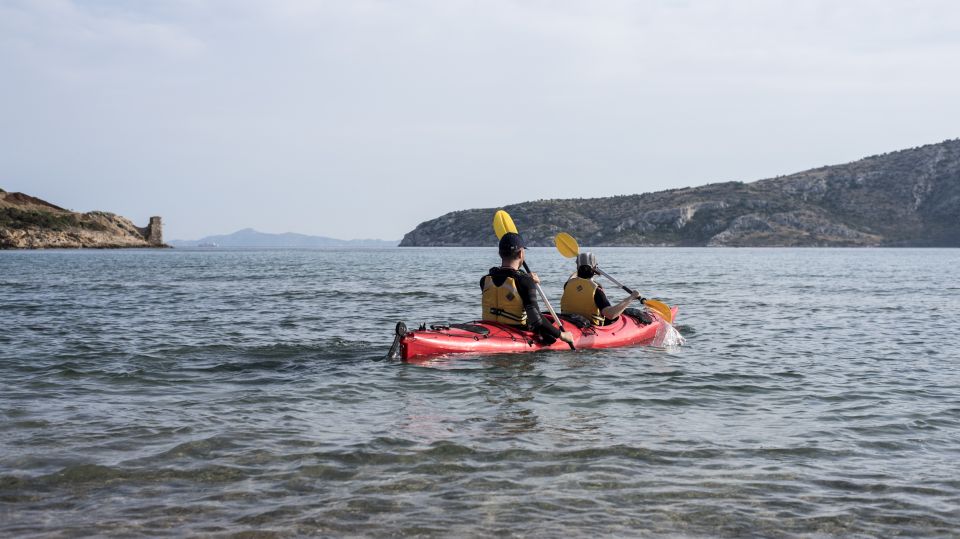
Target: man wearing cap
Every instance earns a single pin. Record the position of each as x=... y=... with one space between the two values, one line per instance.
x=510 y=295
x=585 y=297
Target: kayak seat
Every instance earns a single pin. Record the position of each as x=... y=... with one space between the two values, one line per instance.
x=472 y=328
x=639 y=314
x=578 y=320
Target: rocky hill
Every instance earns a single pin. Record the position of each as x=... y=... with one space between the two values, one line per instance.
x=905 y=198
x=27 y=222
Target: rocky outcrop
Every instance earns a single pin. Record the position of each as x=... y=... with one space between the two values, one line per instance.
x=28 y=222
x=904 y=198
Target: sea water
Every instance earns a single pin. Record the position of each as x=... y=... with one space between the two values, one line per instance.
x=220 y=392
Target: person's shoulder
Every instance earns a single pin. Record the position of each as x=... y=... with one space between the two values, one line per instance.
x=523 y=278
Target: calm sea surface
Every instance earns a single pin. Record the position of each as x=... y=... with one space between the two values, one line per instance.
x=178 y=392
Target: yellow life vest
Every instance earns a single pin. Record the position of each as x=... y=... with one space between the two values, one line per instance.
x=503 y=303
x=578 y=299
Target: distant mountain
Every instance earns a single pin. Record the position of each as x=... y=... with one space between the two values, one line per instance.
x=905 y=198
x=249 y=237
x=27 y=222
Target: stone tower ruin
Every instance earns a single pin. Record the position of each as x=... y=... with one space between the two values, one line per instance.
x=154 y=232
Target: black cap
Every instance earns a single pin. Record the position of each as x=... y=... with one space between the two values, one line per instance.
x=510 y=244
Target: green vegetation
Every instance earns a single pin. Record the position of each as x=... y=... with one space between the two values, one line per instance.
x=24 y=219
x=910 y=197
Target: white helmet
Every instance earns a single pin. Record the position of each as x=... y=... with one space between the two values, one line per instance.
x=586 y=259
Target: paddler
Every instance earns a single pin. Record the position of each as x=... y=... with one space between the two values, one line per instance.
x=510 y=295
x=583 y=296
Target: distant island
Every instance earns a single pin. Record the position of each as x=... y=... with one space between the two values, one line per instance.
x=28 y=222
x=905 y=198
x=249 y=237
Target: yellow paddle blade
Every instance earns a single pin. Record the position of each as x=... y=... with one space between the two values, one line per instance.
x=661 y=308
x=566 y=244
x=502 y=223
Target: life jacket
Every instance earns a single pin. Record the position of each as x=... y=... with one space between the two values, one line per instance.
x=578 y=299
x=503 y=303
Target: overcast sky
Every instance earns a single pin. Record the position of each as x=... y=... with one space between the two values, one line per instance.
x=359 y=119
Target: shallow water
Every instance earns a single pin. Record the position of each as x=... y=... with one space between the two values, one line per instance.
x=181 y=392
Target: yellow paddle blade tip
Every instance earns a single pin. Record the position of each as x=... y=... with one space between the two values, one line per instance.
x=662 y=308
x=503 y=223
x=567 y=245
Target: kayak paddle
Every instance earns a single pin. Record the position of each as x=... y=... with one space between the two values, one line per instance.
x=568 y=247
x=503 y=223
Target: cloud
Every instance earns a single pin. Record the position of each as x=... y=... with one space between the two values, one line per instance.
x=383 y=101
x=65 y=24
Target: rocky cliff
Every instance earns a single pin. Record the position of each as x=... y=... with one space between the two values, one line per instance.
x=27 y=222
x=905 y=198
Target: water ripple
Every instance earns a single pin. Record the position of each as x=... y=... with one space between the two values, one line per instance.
x=245 y=393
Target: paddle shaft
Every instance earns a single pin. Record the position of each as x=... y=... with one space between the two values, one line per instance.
x=547 y=302
x=616 y=282
x=661 y=308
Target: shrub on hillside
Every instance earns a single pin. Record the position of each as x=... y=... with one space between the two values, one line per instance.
x=23 y=219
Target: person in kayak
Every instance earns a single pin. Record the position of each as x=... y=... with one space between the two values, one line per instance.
x=583 y=296
x=510 y=295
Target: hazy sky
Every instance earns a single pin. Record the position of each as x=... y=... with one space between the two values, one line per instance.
x=360 y=118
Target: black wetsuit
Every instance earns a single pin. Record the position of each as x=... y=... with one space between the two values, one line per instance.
x=528 y=293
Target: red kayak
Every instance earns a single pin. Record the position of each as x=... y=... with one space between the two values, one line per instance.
x=480 y=337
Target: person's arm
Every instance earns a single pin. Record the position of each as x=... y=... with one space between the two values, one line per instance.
x=612 y=311
x=535 y=320
x=526 y=285
x=539 y=324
